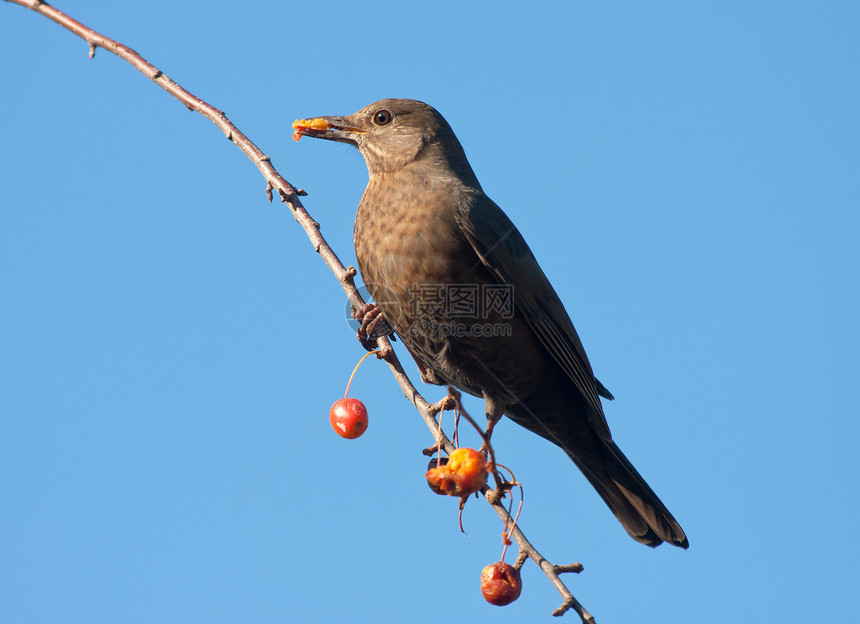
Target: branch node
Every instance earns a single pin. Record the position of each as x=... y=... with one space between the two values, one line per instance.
x=348 y=277
x=521 y=559
x=269 y=188
x=565 y=606
x=301 y=192
x=156 y=74
x=386 y=353
x=574 y=568
x=572 y=603
x=430 y=451
x=446 y=403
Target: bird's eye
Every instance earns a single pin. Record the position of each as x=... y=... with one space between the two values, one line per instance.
x=381 y=117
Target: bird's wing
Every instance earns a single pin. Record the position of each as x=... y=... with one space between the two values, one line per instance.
x=504 y=251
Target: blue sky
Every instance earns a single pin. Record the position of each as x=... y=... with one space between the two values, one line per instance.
x=166 y=335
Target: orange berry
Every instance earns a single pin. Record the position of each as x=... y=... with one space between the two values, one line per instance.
x=436 y=462
x=465 y=473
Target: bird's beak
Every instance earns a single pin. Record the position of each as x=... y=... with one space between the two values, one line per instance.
x=330 y=128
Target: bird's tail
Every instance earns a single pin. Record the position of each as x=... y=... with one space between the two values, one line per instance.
x=634 y=503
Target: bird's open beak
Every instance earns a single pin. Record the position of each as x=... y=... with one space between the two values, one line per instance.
x=331 y=128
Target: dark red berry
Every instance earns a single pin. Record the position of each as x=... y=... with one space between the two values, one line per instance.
x=501 y=583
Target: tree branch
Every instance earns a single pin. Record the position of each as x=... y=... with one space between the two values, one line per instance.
x=345 y=275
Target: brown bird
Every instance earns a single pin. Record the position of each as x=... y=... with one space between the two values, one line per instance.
x=457 y=282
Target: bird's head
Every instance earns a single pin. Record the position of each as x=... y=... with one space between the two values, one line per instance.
x=392 y=134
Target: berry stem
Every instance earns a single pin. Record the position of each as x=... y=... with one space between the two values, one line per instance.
x=355 y=370
x=507 y=532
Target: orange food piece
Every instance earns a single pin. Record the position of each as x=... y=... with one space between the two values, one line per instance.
x=311 y=124
x=464 y=474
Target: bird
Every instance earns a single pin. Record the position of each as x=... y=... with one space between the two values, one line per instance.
x=456 y=281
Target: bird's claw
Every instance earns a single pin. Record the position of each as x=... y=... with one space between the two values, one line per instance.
x=428 y=376
x=373 y=326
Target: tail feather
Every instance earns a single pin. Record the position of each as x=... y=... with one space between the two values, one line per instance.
x=642 y=514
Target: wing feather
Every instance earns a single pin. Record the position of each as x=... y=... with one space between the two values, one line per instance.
x=503 y=250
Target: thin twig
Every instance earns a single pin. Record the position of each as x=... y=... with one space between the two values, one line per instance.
x=290 y=196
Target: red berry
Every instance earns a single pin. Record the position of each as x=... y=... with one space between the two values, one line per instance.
x=501 y=584
x=348 y=418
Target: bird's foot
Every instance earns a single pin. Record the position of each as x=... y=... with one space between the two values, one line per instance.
x=428 y=376
x=485 y=445
x=494 y=410
x=373 y=326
